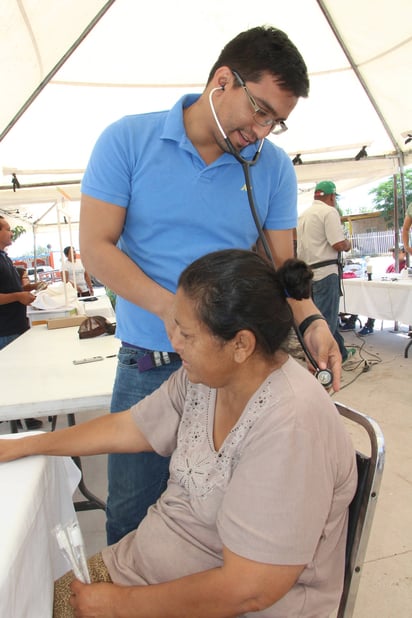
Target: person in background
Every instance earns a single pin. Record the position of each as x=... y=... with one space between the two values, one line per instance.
x=254 y=518
x=320 y=240
x=368 y=328
x=407 y=223
x=163 y=188
x=13 y=300
x=74 y=272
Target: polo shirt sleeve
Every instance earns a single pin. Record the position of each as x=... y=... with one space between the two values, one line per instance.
x=282 y=212
x=108 y=173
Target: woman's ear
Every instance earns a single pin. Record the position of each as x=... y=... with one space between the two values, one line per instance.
x=244 y=344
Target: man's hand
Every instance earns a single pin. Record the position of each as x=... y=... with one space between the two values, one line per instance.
x=168 y=317
x=26 y=298
x=94 y=600
x=323 y=347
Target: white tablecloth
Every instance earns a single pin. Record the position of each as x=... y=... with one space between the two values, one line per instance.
x=384 y=300
x=102 y=306
x=36 y=495
x=38 y=376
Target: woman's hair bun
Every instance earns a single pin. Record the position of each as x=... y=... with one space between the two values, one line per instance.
x=296 y=278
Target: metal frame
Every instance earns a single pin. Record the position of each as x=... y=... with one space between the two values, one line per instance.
x=409 y=344
x=362 y=508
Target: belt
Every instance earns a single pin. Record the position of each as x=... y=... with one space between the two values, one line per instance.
x=153 y=358
x=324 y=263
x=338 y=263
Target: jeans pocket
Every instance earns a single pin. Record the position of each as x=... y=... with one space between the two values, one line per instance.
x=127 y=357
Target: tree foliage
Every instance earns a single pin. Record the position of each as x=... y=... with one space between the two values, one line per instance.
x=383 y=197
x=18 y=231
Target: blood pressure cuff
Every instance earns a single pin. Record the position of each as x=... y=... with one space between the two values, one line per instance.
x=94 y=326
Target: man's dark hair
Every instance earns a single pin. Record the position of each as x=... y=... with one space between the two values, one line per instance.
x=265 y=49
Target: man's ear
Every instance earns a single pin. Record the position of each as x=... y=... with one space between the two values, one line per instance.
x=222 y=77
x=244 y=344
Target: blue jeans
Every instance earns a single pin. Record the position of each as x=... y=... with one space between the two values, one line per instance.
x=6 y=339
x=326 y=296
x=137 y=480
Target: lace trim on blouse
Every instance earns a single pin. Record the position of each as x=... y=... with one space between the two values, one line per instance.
x=195 y=464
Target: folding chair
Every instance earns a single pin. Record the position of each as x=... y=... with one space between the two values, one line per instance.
x=362 y=508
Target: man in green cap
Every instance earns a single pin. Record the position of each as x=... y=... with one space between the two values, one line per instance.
x=320 y=239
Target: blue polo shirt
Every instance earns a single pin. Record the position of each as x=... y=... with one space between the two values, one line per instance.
x=179 y=208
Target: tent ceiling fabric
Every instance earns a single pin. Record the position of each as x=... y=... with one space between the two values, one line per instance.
x=143 y=56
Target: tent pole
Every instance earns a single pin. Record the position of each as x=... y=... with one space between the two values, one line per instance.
x=61 y=251
x=72 y=246
x=34 y=253
x=396 y=220
x=359 y=75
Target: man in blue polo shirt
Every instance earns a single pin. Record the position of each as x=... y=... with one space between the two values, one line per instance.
x=162 y=189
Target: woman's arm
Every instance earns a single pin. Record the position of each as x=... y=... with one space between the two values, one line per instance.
x=111 y=433
x=405 y=233
x=66 y=277
x=238 y=587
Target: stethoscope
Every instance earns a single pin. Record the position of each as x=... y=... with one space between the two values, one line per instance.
x=324 y=376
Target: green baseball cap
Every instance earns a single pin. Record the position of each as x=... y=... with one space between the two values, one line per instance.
x=326 y=187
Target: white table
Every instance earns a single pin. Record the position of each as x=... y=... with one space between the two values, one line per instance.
x=38 y=378
x=102 y=306
x=36 y=495
x=384 y=300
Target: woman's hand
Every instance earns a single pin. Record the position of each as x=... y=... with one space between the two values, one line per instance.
x=94 y=600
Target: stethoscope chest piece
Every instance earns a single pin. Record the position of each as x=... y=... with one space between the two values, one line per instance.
x=325 y=377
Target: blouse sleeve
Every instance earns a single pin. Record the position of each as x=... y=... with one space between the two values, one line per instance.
x=158 y=415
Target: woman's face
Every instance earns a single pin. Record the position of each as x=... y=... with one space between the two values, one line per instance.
x=206 y=358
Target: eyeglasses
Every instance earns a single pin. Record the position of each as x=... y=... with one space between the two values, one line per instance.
x=262 y=118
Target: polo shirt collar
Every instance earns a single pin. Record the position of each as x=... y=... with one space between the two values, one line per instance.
x=174 y=129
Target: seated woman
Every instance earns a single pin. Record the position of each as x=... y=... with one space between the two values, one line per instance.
x=254 y=517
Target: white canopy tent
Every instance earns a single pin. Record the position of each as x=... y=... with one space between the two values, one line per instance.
x=71 y=67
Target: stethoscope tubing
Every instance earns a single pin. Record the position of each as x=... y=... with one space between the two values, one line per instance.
x=246 y=164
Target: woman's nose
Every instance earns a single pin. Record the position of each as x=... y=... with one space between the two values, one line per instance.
x=175 y=339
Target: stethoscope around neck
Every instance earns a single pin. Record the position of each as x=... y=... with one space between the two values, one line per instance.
x=324 y=376
x=242 y=160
